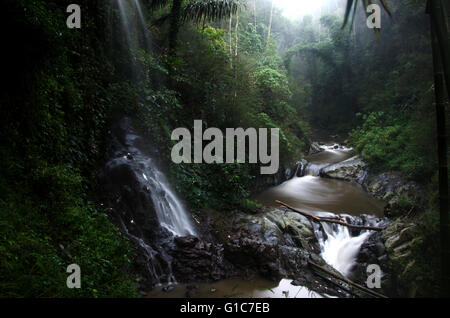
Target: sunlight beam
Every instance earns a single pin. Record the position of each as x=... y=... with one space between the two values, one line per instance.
x=298 y=8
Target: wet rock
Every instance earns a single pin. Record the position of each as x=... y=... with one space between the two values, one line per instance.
x=353 y=170
x=273 y=244
x=315 y=148
x=197 y=260
x=168 y=288
x=263 y=182
x=300 y=168
x=391 y=249
x=397 y=192
x=128 y=198
x=401 y=238
x=288 y=173
x=372 y=251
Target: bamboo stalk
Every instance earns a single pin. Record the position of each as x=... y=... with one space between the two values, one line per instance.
x=328 y=220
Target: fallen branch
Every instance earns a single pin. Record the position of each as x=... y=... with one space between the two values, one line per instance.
x=330 y=281
x=330 y=220
x=360 y=287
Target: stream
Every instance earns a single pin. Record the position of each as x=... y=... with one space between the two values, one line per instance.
x=328 y=197
x=141 y=202
x=316 y=195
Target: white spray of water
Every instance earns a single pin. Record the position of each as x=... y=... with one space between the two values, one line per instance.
x=340 y=248
x=170 y=211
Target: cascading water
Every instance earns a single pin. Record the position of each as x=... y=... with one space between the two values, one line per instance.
x=329 y=155
x=141 y=201
x=137 y=192
x=308 y=192
x=339 y=248
x=170 y=211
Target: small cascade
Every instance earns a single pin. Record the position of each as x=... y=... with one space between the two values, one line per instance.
x=171 y=213
x=313 y=169
x=338 y=247
x=142 y=203
x=300 y=168
x=328 y=155
x=152 y=259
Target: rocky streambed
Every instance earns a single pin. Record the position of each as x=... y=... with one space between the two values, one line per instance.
x=271 y=246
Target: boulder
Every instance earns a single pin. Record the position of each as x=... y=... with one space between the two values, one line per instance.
x=273 y=244
x=315 y=148
x=353 y=170
x=399 y=193
x=197 y=260
x=400 y=238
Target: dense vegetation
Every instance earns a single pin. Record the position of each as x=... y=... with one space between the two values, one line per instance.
x=66 y=86
x=356 y=80
x=53 y=117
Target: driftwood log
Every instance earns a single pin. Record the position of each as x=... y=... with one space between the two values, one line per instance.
x=330 y=220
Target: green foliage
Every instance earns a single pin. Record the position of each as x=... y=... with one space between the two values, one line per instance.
x=53 y=124
x=209 y=10
x=250 y=90
x=231 y=183
x=388 y=141
x=39 y=241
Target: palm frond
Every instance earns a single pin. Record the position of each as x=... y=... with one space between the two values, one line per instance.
x=353 y=4
x=158 y=4
x=209 y=10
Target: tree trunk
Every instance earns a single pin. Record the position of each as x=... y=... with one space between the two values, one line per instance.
x=231 y=39
x=254 y=12
x=270 y=25
x=439 y=21
x=175 y=16
x=236 y=29
x=439 y=87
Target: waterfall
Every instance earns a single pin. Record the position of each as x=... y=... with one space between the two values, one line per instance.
x=307 y=191
x=146 y=208
x=314 y=169
x=339 y=248
x=132 y=19
x=142 y=202
x=170 y=211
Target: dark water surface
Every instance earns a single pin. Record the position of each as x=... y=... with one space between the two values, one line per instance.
x=238 y=288
x=314 y=194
